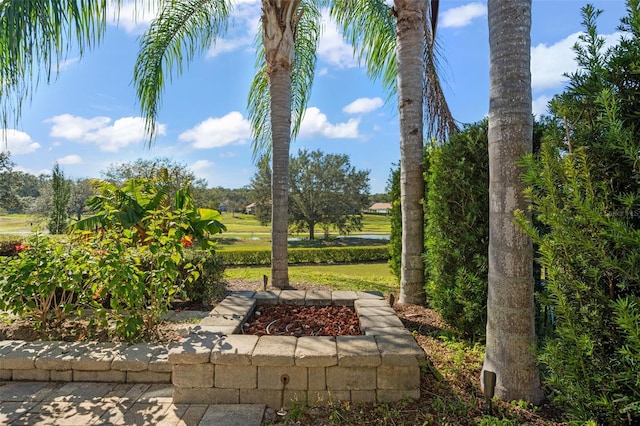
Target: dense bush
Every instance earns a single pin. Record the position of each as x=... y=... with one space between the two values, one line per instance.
x=130 y=271
x=585 y=189
x=457 y=229
x=308 y=255
x=139 y=281
x=47 y=280
x=395 y=239
x=205 y=286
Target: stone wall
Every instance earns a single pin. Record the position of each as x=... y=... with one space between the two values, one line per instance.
x=381 y=365
x=213 y=364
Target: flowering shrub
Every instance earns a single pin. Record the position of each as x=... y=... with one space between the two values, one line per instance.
x=130 y=272
x=45 y=280
x=138 y=283
x=8 y=246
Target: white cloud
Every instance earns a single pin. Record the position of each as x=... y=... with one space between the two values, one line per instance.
x=229 y=45
x=233 y=128
x=315 y=123
x=245 y=23
x=363 y=105
x=68 y=63
x=74 y=128
x=539 y=105
x=70 y=159
x=133 y=16
x=332 y=47
x=99 y=130
x=18 y=142
x=549 y=63
x=201 y=166
x=463 y=15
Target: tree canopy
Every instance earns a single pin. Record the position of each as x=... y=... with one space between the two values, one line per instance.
x=324 y=190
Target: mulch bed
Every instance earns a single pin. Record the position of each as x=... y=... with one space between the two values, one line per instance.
x=293 y=320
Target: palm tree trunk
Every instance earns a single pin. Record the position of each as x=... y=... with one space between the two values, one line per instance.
x=279 y=24
x=511 y=340
x=280 y=88
x=410 y=25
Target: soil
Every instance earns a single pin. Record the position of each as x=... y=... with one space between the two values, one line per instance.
x=450 y=391
x=298 y=321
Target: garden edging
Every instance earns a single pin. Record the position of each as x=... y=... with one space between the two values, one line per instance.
x=215 y=365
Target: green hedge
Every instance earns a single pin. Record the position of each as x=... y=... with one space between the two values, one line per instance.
x=308 y=255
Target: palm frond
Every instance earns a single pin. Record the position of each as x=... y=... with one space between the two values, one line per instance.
x=369 y=26
x=35 y=38
x=305 y=58
x=259 y=107
x=439 y=119
x=182 y=29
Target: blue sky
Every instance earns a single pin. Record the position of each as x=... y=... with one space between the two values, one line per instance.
x=89 y=117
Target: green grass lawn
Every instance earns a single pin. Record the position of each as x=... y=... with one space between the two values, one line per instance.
x=367 y=276
x=21 y=223
x=245 y=232
x=239 y=226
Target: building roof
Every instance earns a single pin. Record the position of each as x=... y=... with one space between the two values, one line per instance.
x=380 y=206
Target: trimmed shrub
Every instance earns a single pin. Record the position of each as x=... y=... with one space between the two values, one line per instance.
x=395 y=239
x=8 y=247
x=308 y=255
x=457 y=229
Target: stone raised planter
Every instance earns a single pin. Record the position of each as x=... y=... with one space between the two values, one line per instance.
x=214 y=364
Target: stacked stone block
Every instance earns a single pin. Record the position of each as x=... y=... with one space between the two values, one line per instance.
x=84 y=362
x=216 y=365
x=382 y=365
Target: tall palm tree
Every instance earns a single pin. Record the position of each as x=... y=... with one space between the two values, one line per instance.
x=286 y=65
x=402 y=53
x=510 y=314
x=285 y=69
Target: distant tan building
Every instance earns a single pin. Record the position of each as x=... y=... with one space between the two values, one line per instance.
x=384 y=208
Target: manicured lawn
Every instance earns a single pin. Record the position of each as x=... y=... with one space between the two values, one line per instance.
x=245 y=232
x=367 y=276
x=20 y=223
x=242 y=229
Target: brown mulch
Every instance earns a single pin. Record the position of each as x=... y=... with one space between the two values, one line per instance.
x=298 y=321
